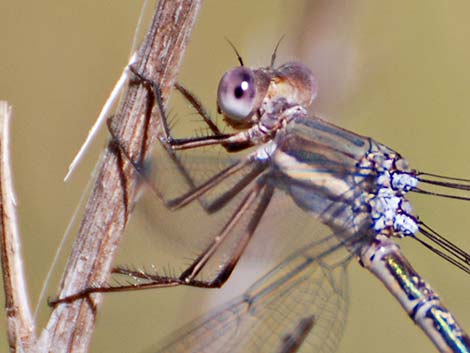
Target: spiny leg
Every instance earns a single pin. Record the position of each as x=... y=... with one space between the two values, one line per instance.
x=260 y=190
x=199 y=107
x=188 y=276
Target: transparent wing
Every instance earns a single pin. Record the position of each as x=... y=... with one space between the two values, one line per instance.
x=310 y=283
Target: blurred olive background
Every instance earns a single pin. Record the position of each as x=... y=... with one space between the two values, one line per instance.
x=395 y=70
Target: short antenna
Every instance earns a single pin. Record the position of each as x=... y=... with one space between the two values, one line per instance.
x=240 y=60
x=273 y=57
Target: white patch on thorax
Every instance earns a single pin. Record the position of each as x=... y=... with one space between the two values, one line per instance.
x=265 y=151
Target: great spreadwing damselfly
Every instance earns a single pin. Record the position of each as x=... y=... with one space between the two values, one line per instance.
x=351 y=184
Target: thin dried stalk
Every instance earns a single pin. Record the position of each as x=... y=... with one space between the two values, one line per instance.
x=107 y=211
x=20 y=325
x=71 y=325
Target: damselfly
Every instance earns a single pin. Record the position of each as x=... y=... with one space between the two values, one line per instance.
x=350 y=183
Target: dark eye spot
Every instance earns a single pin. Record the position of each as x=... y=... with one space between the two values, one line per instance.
x=238 y=92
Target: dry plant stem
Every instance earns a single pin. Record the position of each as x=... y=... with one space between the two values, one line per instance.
x=106 y=214
x=71 y=325
x=20 y=327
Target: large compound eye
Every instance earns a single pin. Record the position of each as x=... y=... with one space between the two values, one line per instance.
x=236 y=95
